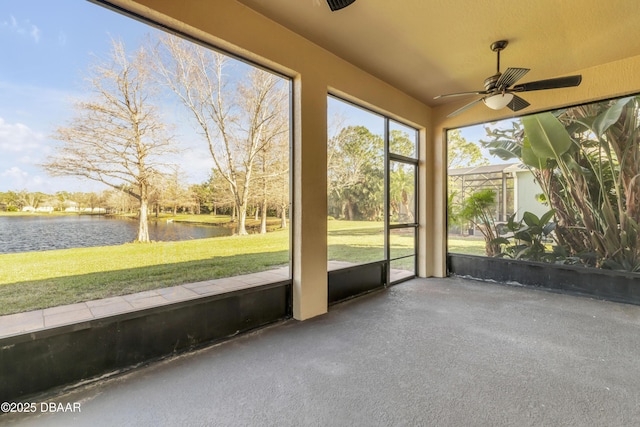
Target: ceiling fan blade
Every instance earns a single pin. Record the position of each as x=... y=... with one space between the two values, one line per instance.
x=478 y=92
x=466 y=107
x=557 y=83
x=510 y=76
x=517 y=103
x=338 y=4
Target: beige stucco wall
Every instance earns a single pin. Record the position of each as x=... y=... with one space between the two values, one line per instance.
x=316 y=72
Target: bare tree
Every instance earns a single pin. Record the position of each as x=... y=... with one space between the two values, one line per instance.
x=236 y=120
x=31 y=200
x=119 y=201
x=117 y=137
x=173 y=191
x=273 y=179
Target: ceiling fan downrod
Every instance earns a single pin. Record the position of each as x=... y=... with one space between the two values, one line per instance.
x=490 y=82
x=497 y=47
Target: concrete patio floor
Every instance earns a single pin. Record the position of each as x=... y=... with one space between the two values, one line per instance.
x=427 y=352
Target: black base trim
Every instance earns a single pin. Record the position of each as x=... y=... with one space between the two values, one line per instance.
x=356 y=280
x=618 y=286
x=39 y=361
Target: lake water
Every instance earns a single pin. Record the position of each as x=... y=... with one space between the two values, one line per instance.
x=43 y=233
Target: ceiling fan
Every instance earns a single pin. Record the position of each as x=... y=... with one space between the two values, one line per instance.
x=339 y=4
x=499 y=90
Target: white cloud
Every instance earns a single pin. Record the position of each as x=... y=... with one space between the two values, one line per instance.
x=35 y=33
x=197 y=162
x=29 y=160
x=14 y=172
x=17 y=138
x=16 y=179
x=24 y=28
x=62 y=38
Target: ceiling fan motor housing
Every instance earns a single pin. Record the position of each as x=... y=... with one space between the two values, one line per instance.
x=490 y=82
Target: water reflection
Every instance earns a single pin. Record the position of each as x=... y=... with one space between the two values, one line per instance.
x=42 y=233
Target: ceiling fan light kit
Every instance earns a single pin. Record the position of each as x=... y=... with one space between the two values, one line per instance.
x=499 y=90
x=499 y=101
x=339 y=4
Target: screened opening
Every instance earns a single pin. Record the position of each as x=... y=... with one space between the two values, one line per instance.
x=372 y=191
x=355 y=185
x=556 y=187
x=113 y=132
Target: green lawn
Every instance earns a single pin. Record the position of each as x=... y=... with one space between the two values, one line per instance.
x=35 y=280
x=363 y=241
x=355 y=241
x=466 y=245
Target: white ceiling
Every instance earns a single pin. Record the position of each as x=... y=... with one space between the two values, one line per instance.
x=431 y=47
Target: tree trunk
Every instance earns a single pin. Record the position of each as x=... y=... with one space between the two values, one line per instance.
x=283 y=216
x=349 y=210
x=143 y=225
x=263 y=219
x=242 y=219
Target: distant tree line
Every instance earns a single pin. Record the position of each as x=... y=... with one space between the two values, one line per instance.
x=171 y=197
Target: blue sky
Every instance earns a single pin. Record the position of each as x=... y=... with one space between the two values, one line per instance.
x=47 y=46
x=476 y=133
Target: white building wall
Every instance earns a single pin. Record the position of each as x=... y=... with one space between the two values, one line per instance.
x=526 y=194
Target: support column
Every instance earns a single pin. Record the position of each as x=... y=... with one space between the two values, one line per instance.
x=310 y=293
x=425 y=194
x=436 y=197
